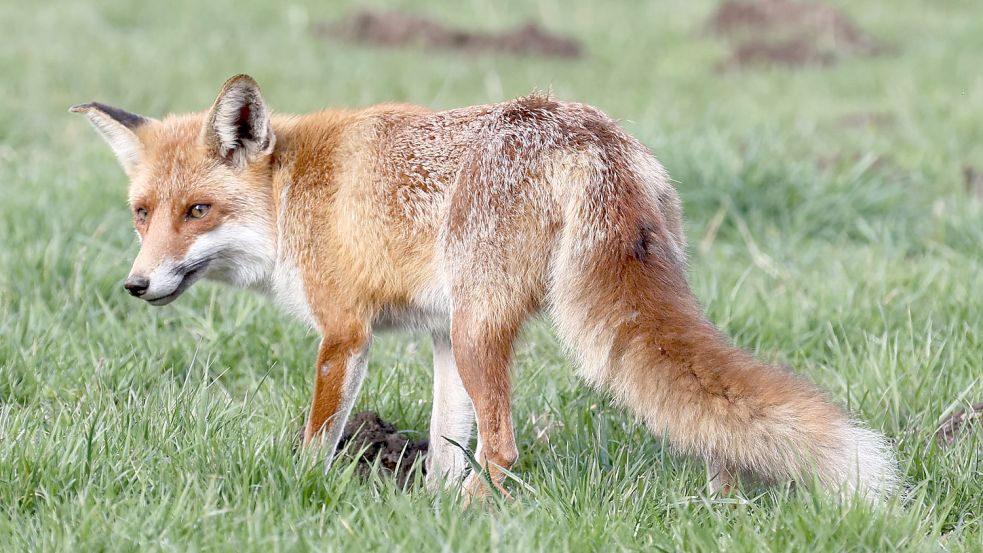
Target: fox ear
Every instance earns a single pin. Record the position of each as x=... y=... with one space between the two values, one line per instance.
x=238 y=128
x=118 y=127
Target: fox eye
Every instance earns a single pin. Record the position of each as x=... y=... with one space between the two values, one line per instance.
x=198 y=211
x=141 y=214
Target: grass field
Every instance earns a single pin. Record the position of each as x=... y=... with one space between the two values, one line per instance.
x=851 y=252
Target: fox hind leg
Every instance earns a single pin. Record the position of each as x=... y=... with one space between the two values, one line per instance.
x=483 y=351
x=722 y=479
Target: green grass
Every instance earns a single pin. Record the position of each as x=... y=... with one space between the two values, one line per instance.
x=851 y=253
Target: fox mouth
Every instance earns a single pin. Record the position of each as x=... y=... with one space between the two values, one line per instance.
x=191 y=275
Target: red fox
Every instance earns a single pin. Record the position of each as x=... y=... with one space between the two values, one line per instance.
x=464 y=223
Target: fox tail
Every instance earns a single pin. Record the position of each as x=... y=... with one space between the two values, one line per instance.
x=622 y=305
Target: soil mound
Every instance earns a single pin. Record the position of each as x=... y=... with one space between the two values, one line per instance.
x=788 y=32
x=369 y=437
x=396 y=29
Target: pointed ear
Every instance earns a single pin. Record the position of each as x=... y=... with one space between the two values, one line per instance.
x=237 y=128
x=118 y=127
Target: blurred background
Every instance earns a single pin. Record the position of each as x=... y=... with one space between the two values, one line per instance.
x=830 y=159
x=712 y=87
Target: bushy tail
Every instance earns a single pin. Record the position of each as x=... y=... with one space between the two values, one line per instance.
x=622 y=305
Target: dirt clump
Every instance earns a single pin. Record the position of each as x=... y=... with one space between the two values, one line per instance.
x=396 y=29
x=790 y=33
x=973 y=178
x=369 y=437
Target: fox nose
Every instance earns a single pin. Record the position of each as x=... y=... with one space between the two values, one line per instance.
x=136 y=285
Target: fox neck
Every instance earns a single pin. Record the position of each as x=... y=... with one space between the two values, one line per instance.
x=272 y=266
x=249 y=243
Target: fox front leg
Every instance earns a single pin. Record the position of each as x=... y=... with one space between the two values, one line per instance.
x=341 y=362
x=452 y=419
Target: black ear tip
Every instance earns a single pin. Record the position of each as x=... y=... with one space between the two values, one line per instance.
x=123 y=117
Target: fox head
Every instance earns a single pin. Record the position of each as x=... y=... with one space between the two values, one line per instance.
x=200 y=191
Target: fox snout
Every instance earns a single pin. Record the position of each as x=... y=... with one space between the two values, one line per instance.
x=136 y=285
x=233 y=253
x=165 y=282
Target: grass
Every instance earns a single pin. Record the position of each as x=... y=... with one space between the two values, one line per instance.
x=851 y=253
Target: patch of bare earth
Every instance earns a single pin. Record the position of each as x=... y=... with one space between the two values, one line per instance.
x=370 y=438
x=400 y=29
x=789 y=33
x=973 y=178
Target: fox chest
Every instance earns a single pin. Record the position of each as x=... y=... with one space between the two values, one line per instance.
x=286 y=289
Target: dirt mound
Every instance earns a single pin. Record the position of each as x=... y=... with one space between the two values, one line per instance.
x=394 y=28
x=788 y=32
x=973 y=178
x=371 y=438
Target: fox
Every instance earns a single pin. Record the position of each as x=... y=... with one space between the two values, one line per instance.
x=464 y=224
